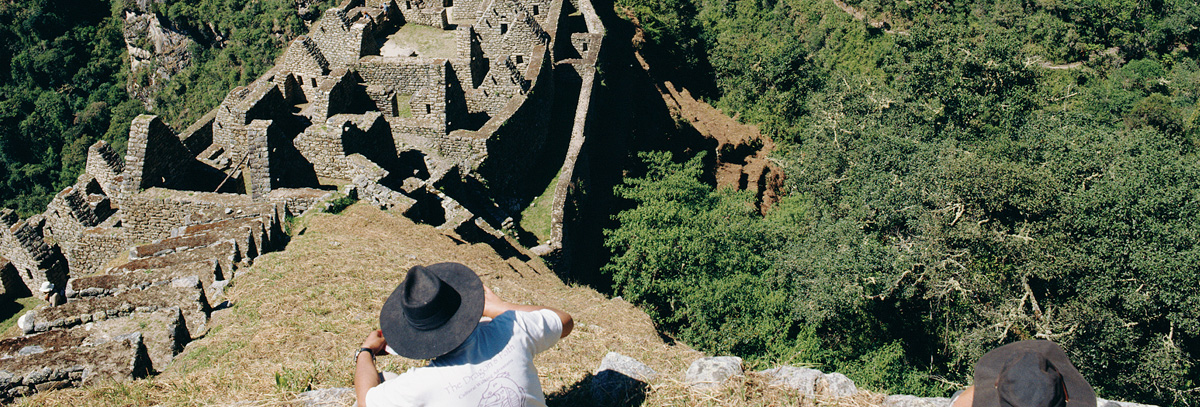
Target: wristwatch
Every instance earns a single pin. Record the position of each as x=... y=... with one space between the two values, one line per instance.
x=361 y=350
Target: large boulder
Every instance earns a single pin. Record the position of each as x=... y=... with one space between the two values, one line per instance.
x=713 y=372
x=620 y=380
x=801 y=379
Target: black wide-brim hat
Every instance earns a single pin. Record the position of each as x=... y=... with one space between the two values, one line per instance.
x=1021 y=370
x=433 y=311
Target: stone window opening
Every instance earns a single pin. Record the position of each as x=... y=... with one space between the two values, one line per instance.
x=585 y=47
x=503 y=28
x=314 y=81
x=535 y=9
x=408 y=5
x=428 y=109
x=520 y=59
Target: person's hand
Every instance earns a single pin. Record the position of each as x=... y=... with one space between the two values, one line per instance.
x=493 y=306
x=375 y=341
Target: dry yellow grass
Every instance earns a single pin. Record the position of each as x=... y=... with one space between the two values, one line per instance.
x=298 y=315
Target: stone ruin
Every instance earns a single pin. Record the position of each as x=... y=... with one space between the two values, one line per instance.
x=143 y=246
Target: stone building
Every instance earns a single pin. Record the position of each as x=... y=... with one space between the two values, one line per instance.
x=445 y=132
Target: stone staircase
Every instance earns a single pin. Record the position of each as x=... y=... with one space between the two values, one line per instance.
x=131 y=320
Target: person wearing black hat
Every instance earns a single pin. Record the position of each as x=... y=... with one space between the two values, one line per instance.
x=436 y=314
x=1033 y=373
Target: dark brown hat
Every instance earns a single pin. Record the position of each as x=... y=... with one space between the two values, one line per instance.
x=433 y=311
x=1032 y=373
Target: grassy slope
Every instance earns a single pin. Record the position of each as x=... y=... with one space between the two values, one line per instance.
x=297 y=316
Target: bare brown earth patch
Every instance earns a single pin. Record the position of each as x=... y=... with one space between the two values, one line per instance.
x=742 y=150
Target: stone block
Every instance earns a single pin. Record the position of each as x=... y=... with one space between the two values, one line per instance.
x=620 y=380
x=164 y=333
x=225 y=253
x=1111 y=403
x=804 y=380
x=332 y=397
x=41 y=342
x=206 y=271
x=838 y=385
x=713 y=372
x=189 y=299
x=263 y=229
x=122 y=358
x=903 y=400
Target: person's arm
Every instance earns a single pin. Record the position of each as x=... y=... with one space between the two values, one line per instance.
x=365 y=374
x=965 y=399
x=493 y=306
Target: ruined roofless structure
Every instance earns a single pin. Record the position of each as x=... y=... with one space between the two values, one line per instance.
x=143 y=245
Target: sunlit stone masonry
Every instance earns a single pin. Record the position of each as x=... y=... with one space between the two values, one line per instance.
x=438 y=111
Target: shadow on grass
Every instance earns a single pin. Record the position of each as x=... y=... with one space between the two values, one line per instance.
x=618 y=390
x=12 y=308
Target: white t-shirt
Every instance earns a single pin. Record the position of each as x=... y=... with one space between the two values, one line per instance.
x=493 y=368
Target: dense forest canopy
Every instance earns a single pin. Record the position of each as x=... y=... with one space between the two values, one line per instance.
x=61 y=89
x=961 y=174
x=64 y=70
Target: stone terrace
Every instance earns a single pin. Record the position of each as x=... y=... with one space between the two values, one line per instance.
x=437 y=113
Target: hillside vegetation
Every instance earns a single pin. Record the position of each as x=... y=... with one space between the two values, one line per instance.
x=960 y=175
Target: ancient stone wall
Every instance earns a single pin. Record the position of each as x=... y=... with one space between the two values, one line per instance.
x=365 y=175
x=469 y=63
x=154 y=156
x=326 y=145
x=515 y=136
x=403 y=75
x=321 y=145
x=257 y=174
x=68 y=214
x=508 y=36
x=296 y=201
x=24 y=244
x=106 y=166
x=199 y=135
x=424 y=12
x=588 y=46
x=94 y=248
x=304 y=57
x=334 y=37
x=509 y=28
x=11 y=285
x=150 y=215
x=339 y=93
x=574 y=172
x=260 y=100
